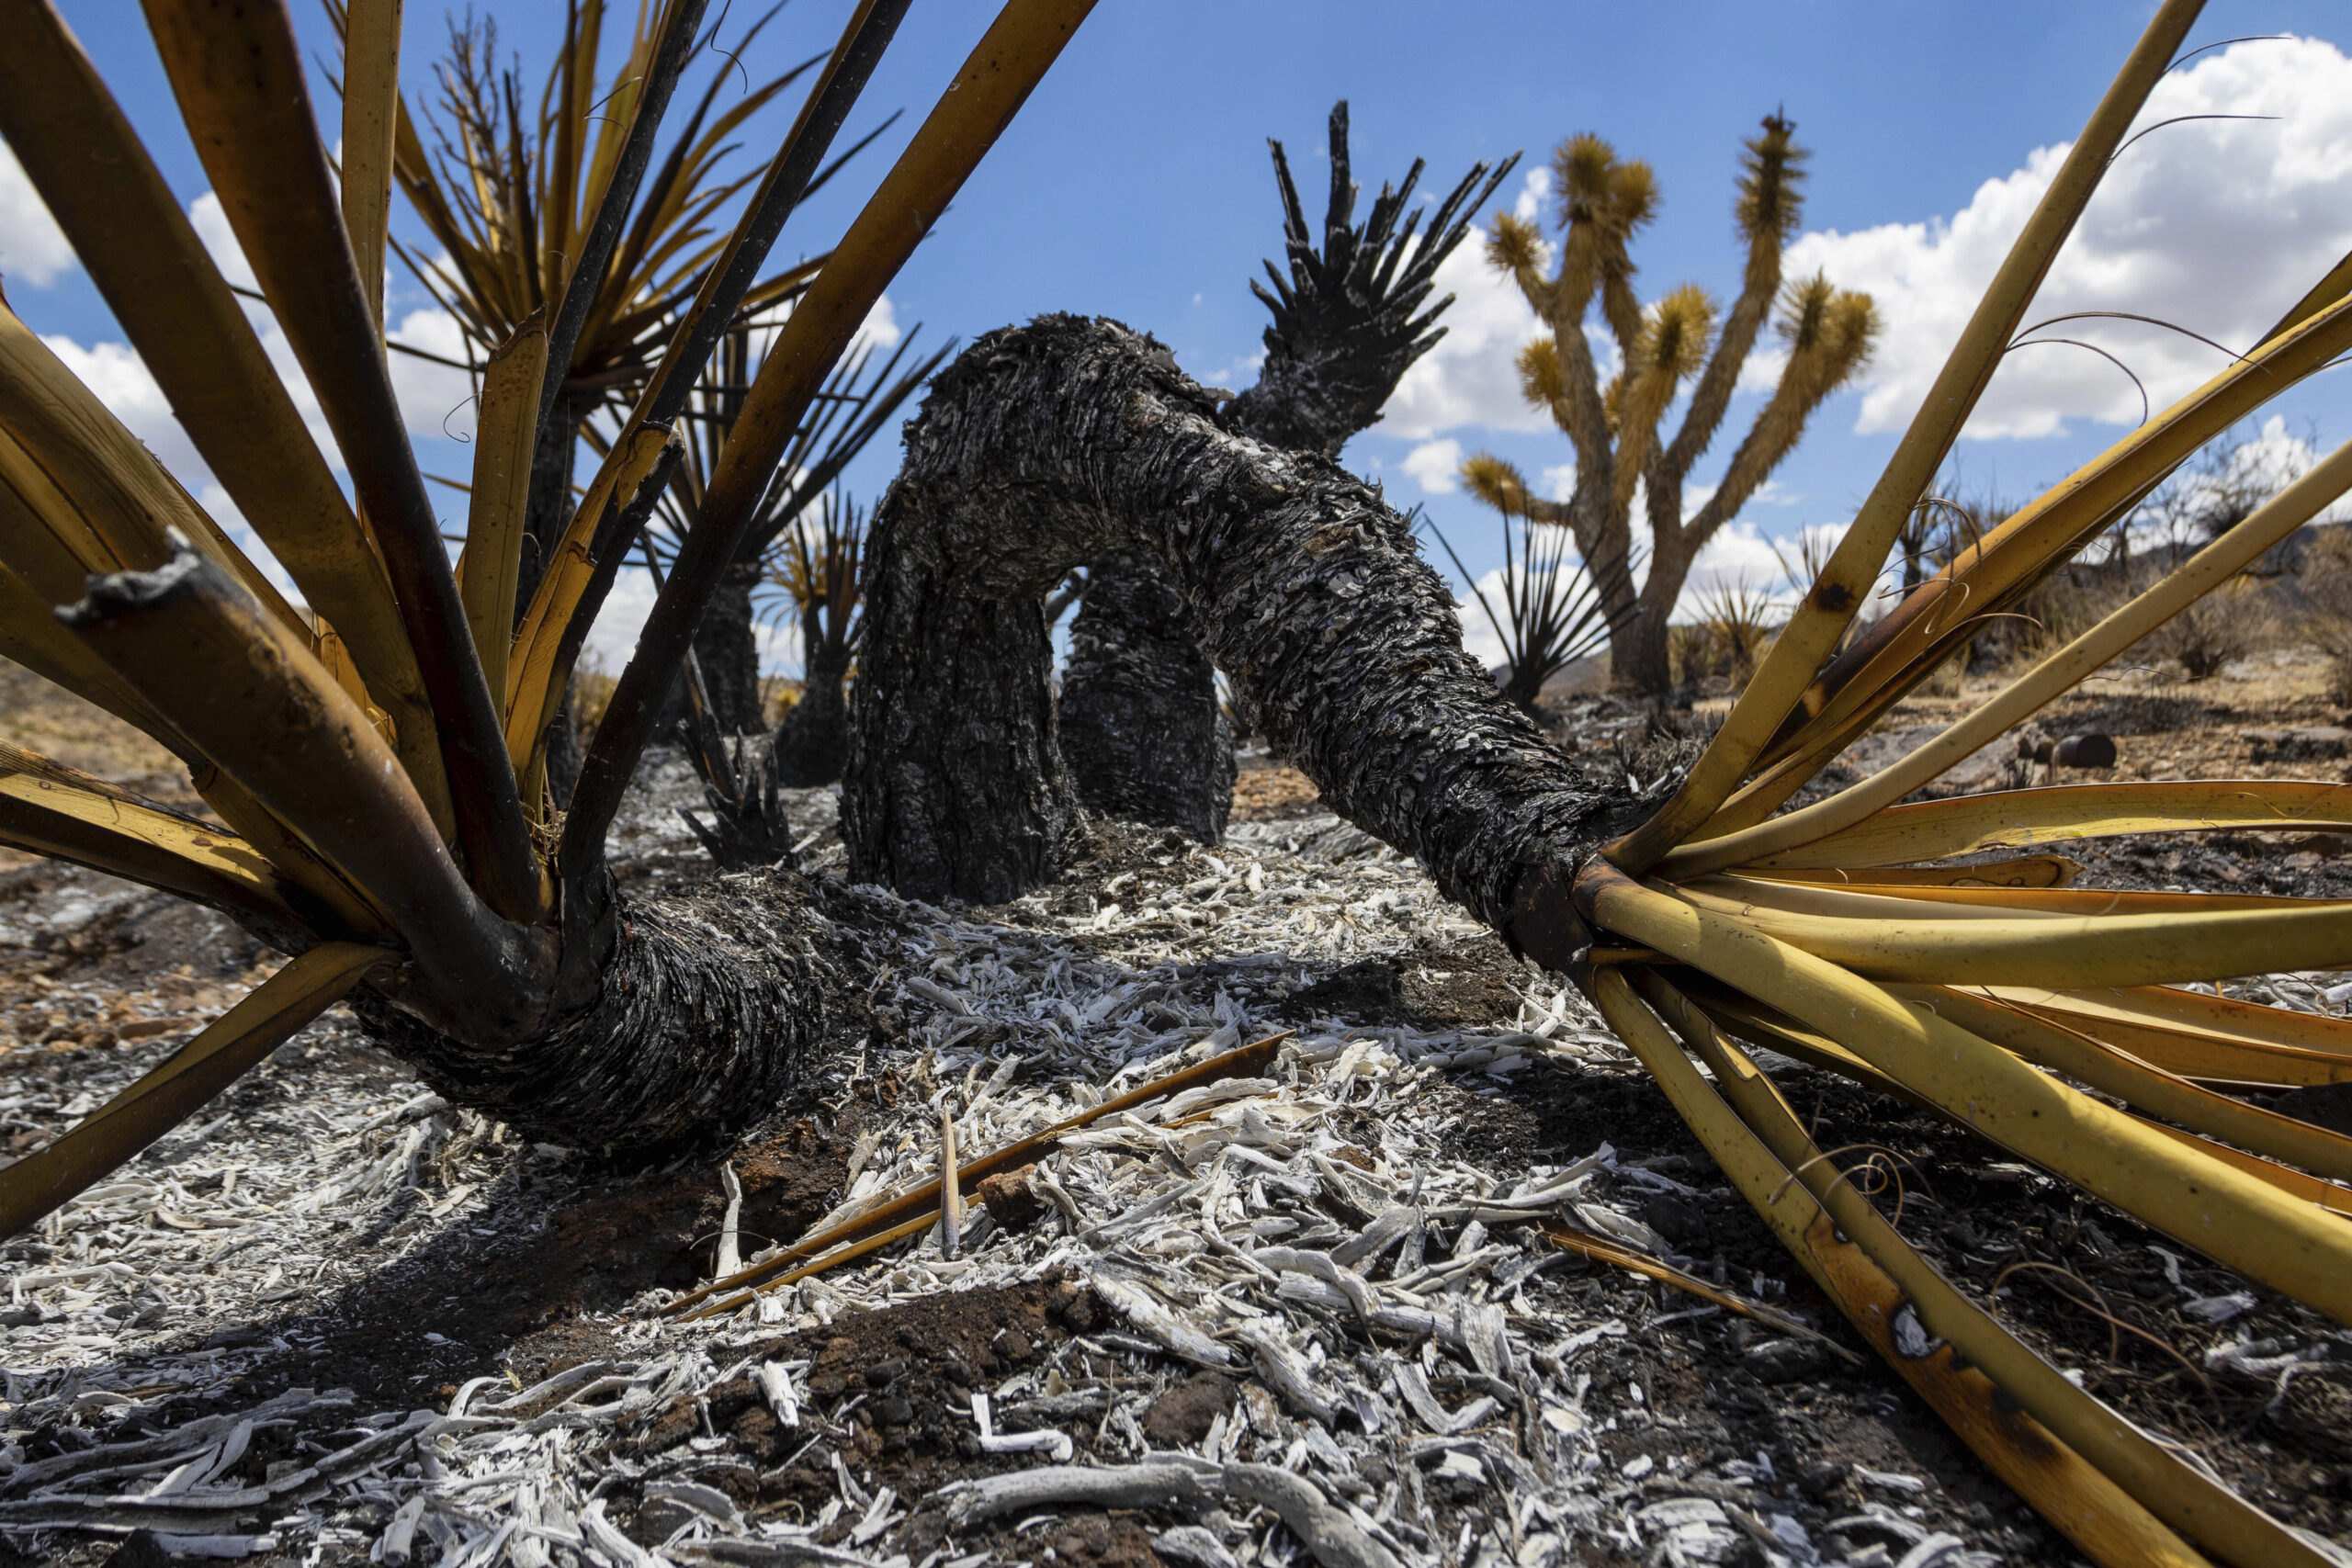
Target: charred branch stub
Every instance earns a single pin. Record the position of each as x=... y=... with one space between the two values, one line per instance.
x=1048 y=444
x=1143 y=733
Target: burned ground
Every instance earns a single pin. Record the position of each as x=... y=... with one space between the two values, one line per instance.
x=332 y=1226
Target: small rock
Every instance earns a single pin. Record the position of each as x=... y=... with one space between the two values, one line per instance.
x=1181 y=1417
x=1008 y=1199
x=1013 y=1346
x=893 y=1410
x=1786 y=1360
x=1819 y=1479
x=882 y=1374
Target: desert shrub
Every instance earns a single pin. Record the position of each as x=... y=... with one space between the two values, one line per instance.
x=2326 y=618
x=2204 y=637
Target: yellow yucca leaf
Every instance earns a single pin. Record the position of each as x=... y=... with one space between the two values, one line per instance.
x=115 y=492
x=2046 y=900
x=228 y=1047
x=2025 y=819
x=503 y=438
x=129 y=230
x=2228 y=1214
x=2052 y=678
x=1775 y=1031
x=31 y=636
x=239 y=79
x=49 y=809
x=2139 y=1019
x=2204 y=1012
x=2024 y=871
x=1920 y=634
x=1742 y=1107
x=2291 y=1184
x=1958 y=945
x=1822 y=617
x=1790 y=1191
x=544 y=648
x=275 y=722
x=2139 y=1083
x=371 y=85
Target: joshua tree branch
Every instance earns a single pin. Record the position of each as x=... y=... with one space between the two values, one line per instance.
x=1344 y=327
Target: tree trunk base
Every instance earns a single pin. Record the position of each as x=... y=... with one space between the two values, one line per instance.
x=812 y=742
x=1142 y=733
x=712 y=1004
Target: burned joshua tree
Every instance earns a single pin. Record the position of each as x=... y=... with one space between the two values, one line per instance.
x=1141 y=727
x=504 y=965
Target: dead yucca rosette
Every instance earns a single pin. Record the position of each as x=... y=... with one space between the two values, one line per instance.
x=373 y=760
x=1832 y=933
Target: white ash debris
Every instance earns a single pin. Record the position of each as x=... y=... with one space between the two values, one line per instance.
x=1410 y=1390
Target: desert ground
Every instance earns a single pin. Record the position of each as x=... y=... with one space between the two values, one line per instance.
x=334 y=1319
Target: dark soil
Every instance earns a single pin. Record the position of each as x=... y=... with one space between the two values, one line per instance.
x=893 y=1389
x=2085 y=1285
x=419 y=1325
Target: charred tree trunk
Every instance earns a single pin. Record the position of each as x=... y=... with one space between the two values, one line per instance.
x=812 y=740
x=546 y=509
x=673 y=1019
x=729 y=652
x=1050 y=445
x=1142 y=733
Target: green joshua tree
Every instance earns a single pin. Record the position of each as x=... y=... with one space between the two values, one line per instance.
x=1623 y=450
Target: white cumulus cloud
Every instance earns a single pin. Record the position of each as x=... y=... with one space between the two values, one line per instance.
x=1434 y=464
x=2217 y=225
x=32 y=248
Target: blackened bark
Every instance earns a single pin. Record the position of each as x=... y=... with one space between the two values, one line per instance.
x=694 y=1014
x=1142 y=733
x=955 y=783
x=812 y=741
x=729 y=652
x=547 y=509
x=1049 y=444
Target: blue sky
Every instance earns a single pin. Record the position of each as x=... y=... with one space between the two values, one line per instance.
x=1135 y=184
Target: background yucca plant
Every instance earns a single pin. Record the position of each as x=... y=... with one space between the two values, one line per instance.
x=1849 y=934
x=865 y=393
x=1551 y=607
x=525 y=194
x=378 y=759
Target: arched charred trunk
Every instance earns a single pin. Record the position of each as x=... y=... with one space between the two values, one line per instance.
x=1144 y=736
x=1049 y=444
